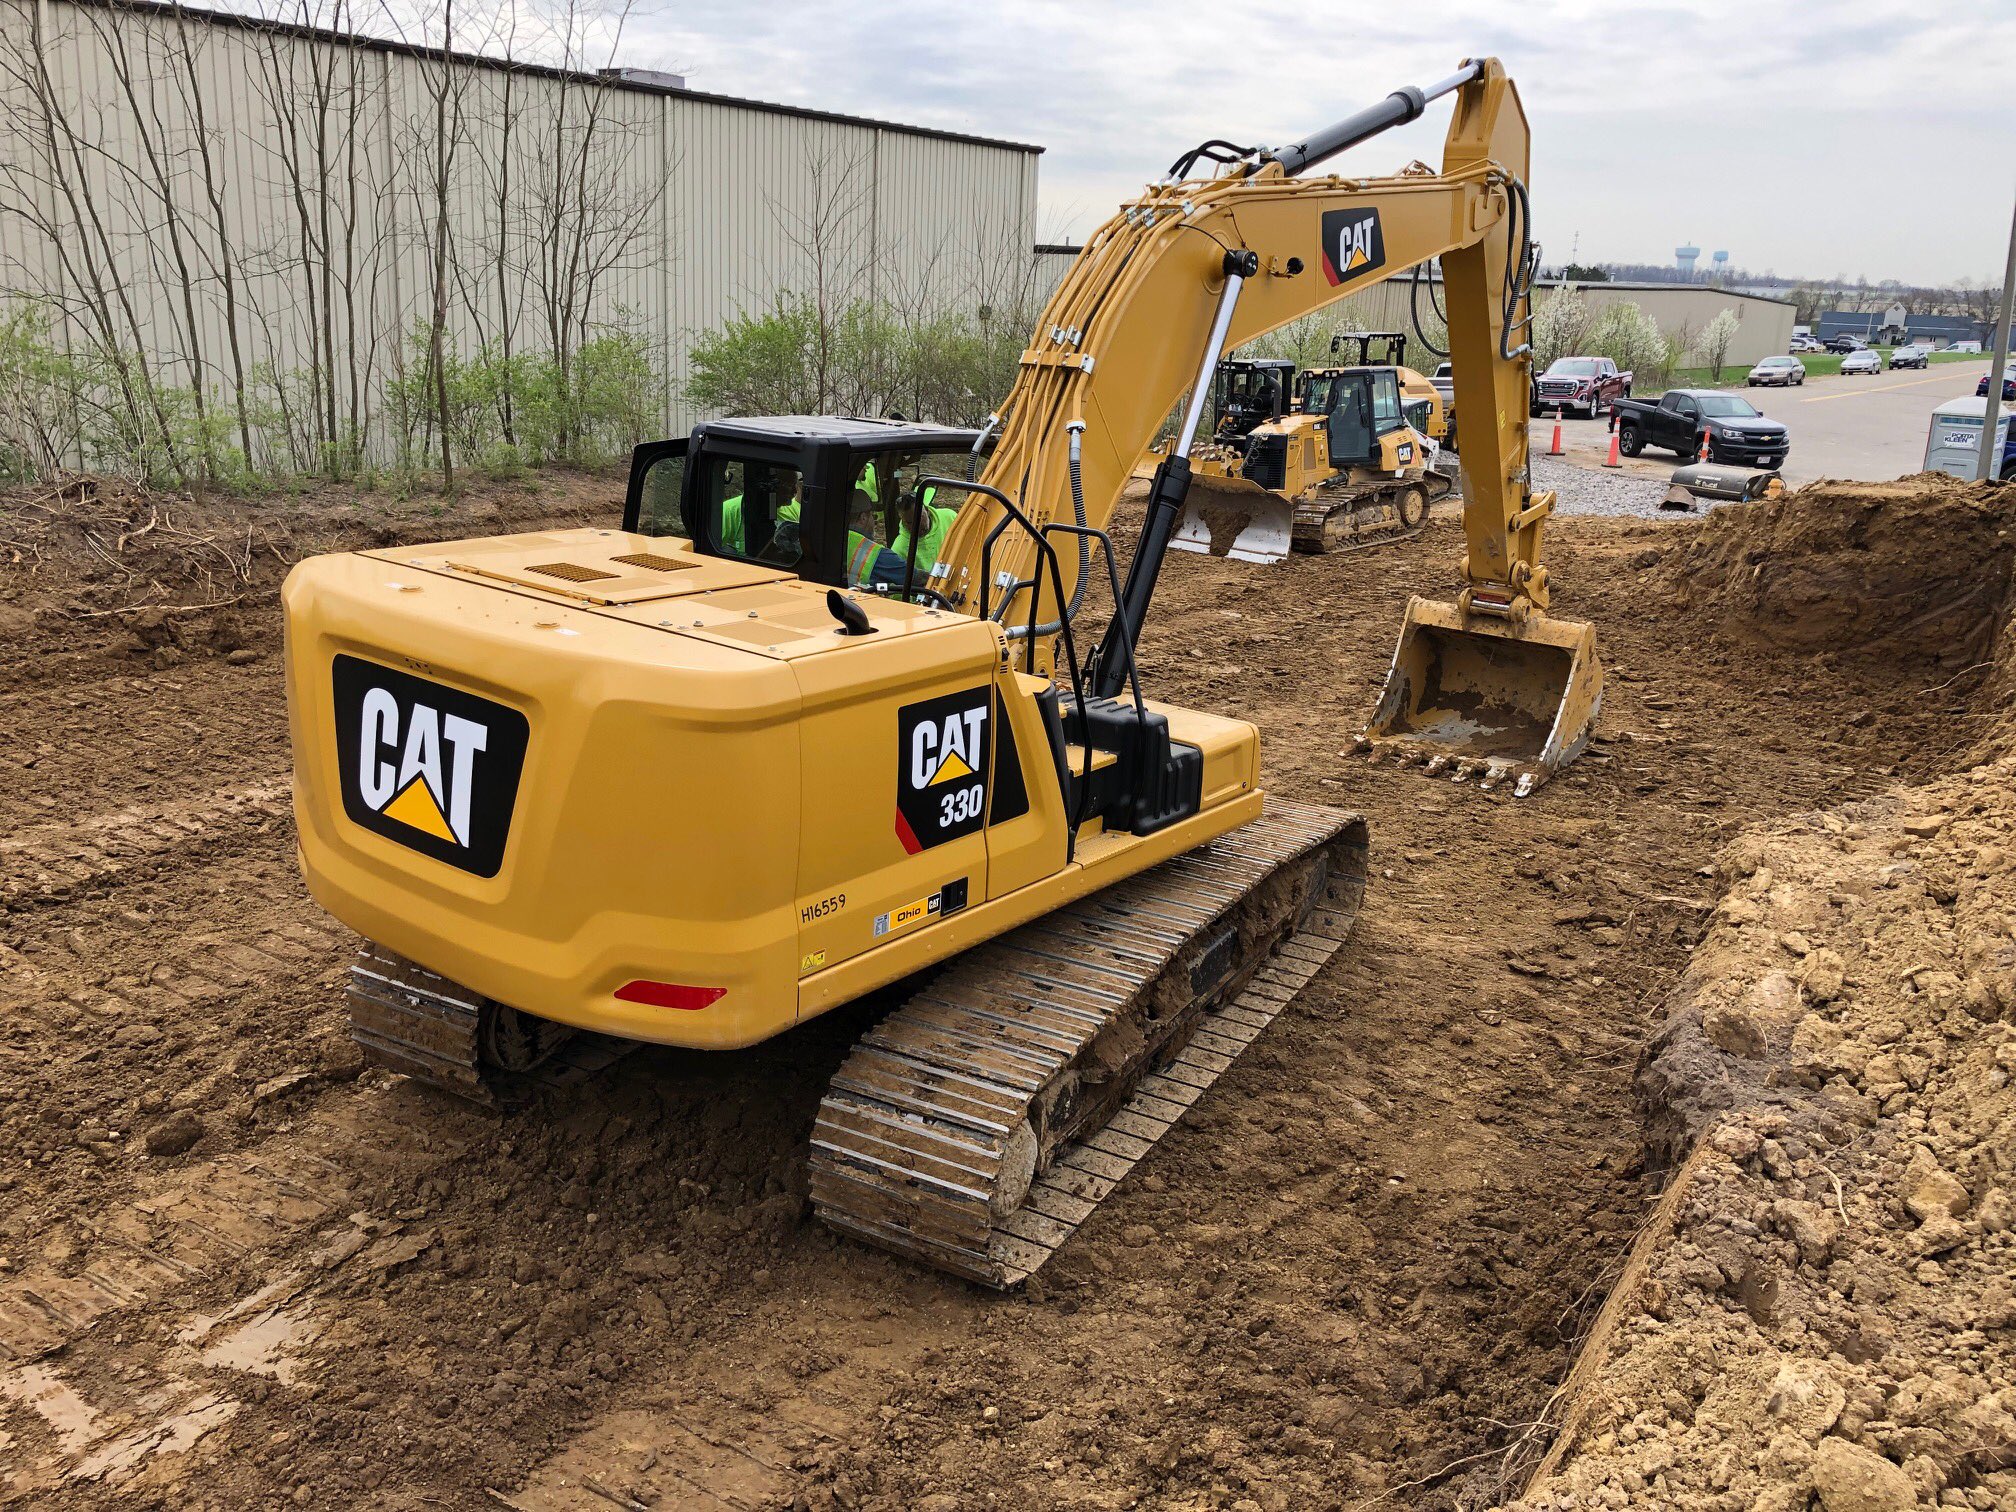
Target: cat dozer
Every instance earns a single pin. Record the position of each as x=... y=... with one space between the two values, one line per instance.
x=1349 y=466
x=814 y=727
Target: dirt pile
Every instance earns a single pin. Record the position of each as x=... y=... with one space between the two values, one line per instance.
x=1822 y=1310
x=101 y=563
x=1917 y=570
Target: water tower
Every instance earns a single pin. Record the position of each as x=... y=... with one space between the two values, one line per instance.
x=1684 y=258
x=1721 y=261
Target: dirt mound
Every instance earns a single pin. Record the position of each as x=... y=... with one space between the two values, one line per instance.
x=97 y=563
x=1827 y=1303
x=1917 y=570
x=1822 y=1304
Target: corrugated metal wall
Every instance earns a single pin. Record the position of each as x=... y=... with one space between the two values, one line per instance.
x=223 y=200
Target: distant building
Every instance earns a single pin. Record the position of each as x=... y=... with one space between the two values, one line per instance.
x=1891 y=326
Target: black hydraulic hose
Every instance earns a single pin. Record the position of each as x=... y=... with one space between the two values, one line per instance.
x=1414 y=310
x=1522 y=260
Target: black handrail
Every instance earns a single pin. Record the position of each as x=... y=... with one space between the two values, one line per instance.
x=1047 y=554
x=1113 y=581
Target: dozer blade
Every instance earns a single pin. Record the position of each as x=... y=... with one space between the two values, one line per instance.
x=1485 y=698
x=1231 y=517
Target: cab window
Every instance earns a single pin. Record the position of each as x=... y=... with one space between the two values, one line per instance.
x=754 y=507
x=659 y=514
x=890 y=511
x=1385 y=403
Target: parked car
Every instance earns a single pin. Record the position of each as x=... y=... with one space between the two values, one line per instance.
x=1737 y=432
x=1847 y=343
x=1911 y=356
x=1864 y=361
x=2008 y=385
x=1588 y=384
x=1780 y=371
x=1965 y=346
x=1805 y=344
x=1444 y=381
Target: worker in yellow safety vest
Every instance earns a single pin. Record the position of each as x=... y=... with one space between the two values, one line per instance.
x=937 y=525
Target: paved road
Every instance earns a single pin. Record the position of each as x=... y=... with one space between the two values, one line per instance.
x=1870 y=428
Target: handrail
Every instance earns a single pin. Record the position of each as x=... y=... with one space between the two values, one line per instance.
x=1046 y=553
x=1113 y=581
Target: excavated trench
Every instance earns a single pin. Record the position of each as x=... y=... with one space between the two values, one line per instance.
x=234 y=1269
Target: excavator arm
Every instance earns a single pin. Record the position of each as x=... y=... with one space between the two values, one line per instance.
x=1197 y=266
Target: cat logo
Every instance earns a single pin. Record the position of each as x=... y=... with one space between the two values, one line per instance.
x=1403 y=454
x=1353 y=244
x=941 y=787
x=429 y=766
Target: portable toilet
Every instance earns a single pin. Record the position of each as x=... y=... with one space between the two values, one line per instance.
x=1953 y=441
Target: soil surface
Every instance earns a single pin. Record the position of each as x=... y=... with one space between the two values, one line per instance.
x=1822 y=1307
x=235 y=1269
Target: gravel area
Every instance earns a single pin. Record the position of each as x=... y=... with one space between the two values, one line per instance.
x=1585 y=491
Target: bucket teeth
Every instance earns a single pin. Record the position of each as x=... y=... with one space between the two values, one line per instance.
x=1503 y=699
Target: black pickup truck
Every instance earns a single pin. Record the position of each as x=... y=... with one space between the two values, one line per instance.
x=1737 y=433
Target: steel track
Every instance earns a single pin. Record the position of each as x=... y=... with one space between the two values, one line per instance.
x=979 y=1125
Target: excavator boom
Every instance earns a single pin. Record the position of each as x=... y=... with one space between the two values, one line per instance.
x=1198 y=266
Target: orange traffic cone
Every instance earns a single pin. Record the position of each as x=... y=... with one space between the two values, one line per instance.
x=1704 y=447
x=1555 y=449
x=1612 y=460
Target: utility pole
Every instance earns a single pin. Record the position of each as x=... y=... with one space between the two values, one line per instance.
x=1998 y=362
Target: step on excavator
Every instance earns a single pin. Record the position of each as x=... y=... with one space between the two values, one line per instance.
x=815 y=723
x=1353 y=463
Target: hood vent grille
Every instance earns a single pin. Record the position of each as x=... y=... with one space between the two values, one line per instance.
x=652 y=562
x=571 y=572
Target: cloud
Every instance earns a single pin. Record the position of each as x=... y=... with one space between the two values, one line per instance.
x=1847 y=138
x=1859 y=137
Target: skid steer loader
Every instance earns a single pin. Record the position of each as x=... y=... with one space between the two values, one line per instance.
x=805 y=727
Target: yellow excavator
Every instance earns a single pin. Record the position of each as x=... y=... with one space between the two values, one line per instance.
x=1345 y=466
x=689 y=782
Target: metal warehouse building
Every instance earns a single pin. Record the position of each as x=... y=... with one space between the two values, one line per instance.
x=243 y=204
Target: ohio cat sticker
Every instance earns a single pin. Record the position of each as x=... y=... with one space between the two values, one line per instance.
x=941 y=759
x=431 y=767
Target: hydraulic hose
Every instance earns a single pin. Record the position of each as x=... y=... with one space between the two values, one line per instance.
x=1076 y=431
x=980 y=445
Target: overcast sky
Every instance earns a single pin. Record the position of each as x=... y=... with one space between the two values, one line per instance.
x=1850 y=137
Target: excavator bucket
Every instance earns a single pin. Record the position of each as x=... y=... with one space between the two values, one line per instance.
x=1483 y=697
x=1232 y=517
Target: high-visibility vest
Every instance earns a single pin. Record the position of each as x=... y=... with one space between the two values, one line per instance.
x=934 y=538
x=731 y=522
x=862 y=550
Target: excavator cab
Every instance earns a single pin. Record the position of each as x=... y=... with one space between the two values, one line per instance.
x=832 y=500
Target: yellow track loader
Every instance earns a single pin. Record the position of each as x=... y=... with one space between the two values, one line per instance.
x=1347 y=467
x=815 y=721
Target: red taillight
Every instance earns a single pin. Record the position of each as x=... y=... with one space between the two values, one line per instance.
x=668 y=994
